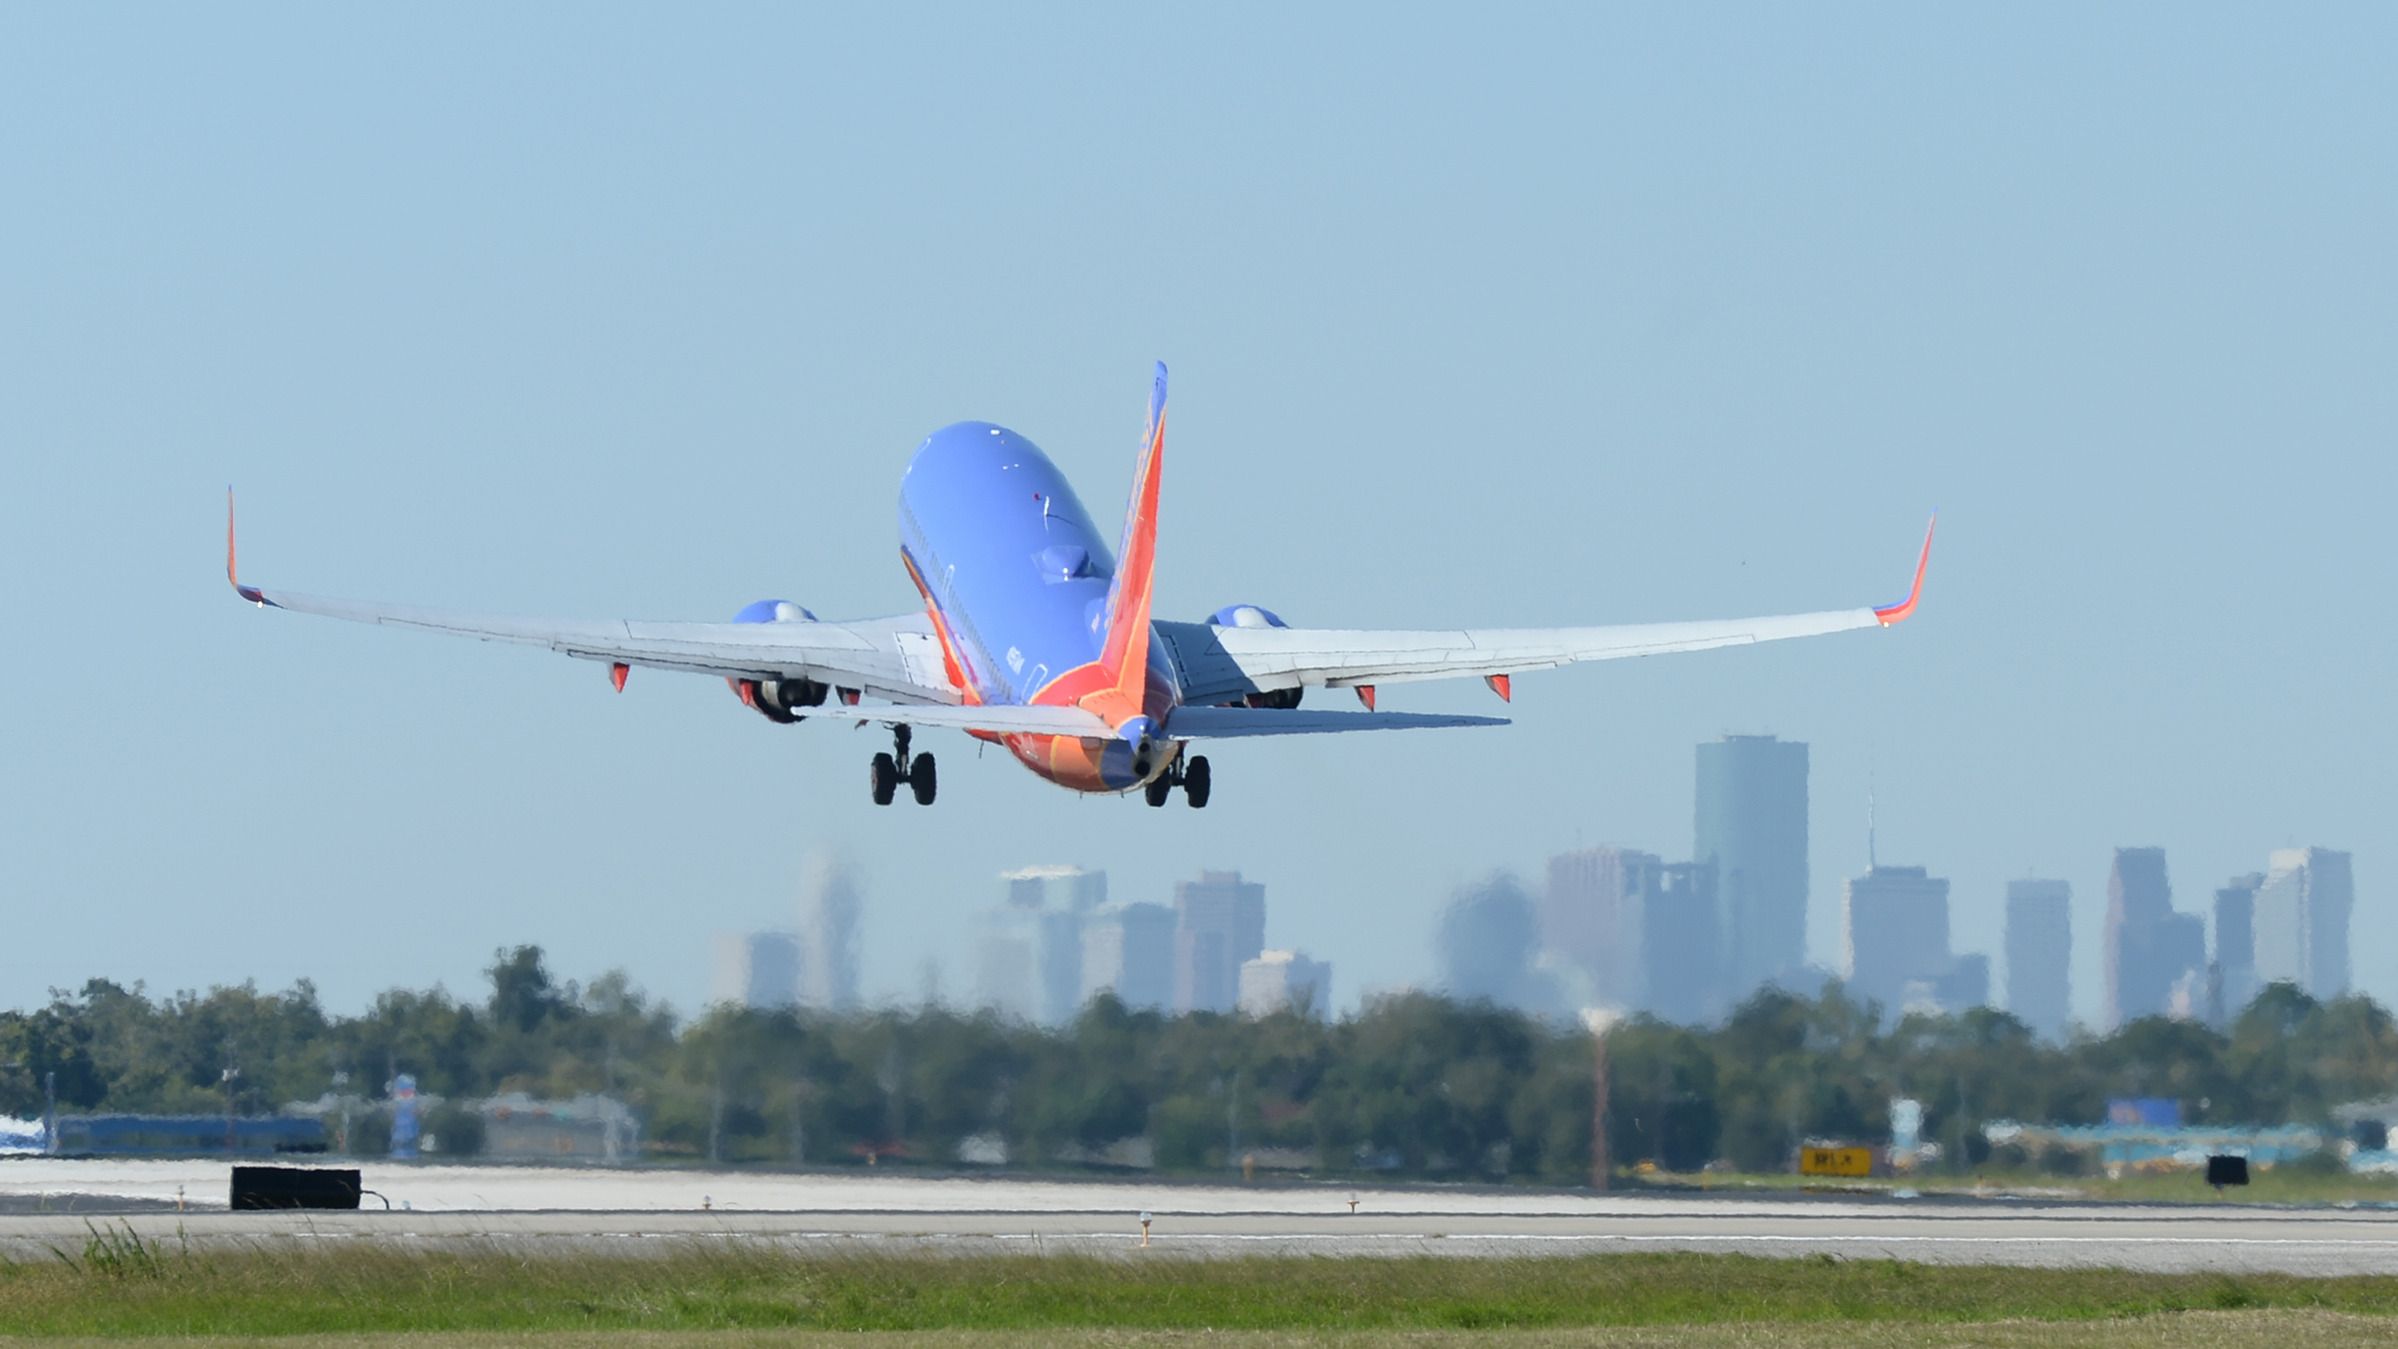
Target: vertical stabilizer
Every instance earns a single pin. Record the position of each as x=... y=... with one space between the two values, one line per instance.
x=1116 y=684
x=1125 y=654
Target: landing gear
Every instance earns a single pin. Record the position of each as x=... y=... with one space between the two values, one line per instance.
x=1191 y=775
x=916 y=770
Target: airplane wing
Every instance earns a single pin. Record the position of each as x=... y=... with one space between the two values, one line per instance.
x=892 y=658
x=1223 y=663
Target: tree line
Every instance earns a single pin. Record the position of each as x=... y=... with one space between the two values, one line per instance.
x=1412 y=1084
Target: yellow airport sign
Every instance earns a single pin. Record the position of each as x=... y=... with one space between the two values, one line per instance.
x=1836 y=1161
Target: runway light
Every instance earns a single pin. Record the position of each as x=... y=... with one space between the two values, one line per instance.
x=1144 y=1227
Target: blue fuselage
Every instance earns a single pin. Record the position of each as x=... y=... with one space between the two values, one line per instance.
x=1017 y=578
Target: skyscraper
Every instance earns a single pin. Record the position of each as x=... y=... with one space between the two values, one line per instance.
x=1487 y=948
x=1641 y=932
x=757 y=970
x=1678 y=945
x=1006 y=957
x=1219 y=922
x=2150 y=948
x=828 y=936
x=1029 y=947
x=1752 y=826
x=1057 y=889
x=1967 y=984
x=1278 y=981
x=1896 y=920
x=1128 y=950
x=2302 y=920
x=1591 y=915
x=2040 y=955
x=2234 y=968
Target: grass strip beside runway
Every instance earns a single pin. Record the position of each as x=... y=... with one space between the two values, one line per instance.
x=2177 y=1330
x=117 y=1286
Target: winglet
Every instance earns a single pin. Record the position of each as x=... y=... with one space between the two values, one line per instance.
x=232 y=575
x=1898 y=613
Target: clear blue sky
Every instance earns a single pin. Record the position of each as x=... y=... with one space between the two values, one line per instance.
x=1587 y=314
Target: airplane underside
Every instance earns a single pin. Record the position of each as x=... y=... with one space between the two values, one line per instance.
x=1075 y=763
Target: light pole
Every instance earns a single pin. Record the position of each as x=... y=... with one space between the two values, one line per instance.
x=1601 y=1165
x=230 y=1073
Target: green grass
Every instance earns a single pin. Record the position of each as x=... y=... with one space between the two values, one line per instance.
x=2185 y=1330
x=116 y=1286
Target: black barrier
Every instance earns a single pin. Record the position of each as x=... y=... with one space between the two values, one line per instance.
x=276 y=1187
x=2222 y=1171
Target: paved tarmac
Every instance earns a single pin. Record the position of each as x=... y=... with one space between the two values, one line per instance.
x=653 y=1212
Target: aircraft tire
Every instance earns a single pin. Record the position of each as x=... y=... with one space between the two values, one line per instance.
x=1195 y=783
x=885 y=779
x=1157 y=789
x=921 y=779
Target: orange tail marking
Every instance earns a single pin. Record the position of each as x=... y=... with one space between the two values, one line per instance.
x=1124 y=657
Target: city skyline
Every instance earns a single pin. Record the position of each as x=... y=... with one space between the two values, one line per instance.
x=1622 y=930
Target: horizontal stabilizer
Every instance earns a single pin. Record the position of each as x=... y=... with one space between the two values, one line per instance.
x=998 y=719
x=1228 y=723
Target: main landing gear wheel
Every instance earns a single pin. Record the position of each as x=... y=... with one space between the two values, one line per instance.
x=1191 y=775
x=916 y=770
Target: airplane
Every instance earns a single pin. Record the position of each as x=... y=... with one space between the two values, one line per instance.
x=1034 y=636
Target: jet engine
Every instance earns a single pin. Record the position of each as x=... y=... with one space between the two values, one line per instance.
x=1245 y=616
x=1252 y=616
x=777 y=700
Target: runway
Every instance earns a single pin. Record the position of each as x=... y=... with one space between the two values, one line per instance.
x=536 y=1210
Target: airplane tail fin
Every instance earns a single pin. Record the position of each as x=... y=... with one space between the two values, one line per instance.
x=1124 y=656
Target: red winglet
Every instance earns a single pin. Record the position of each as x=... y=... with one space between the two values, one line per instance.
x=1897 y=613
x=1502 y=685
x=1365 y=694
x=617 y=673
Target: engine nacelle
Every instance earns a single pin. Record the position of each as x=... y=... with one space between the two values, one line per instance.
x=780 y=700
x=777 y=700
x=1245 y=616
x=1253 y=616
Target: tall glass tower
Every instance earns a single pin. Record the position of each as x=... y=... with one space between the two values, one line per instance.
x=1752 y=827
